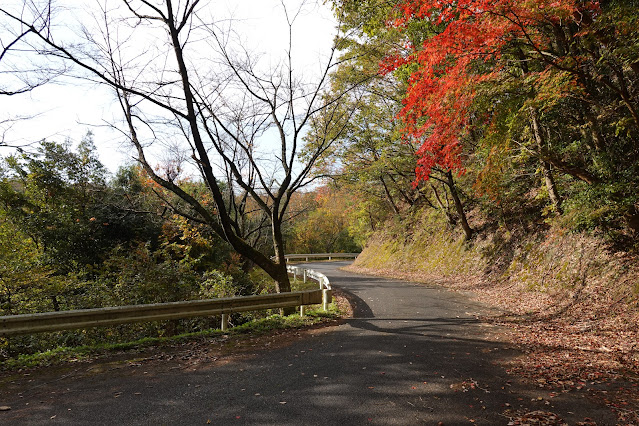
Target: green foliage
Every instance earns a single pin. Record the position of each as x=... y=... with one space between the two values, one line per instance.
x=324 y=226
x=72 y=239
x=216 y=284
x=595 y=208
x=61 y=199
x=139 y=276
x=21 y=271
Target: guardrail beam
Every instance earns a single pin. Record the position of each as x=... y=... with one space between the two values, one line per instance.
x=329 y=256
x=85 y=318
x=12 y=325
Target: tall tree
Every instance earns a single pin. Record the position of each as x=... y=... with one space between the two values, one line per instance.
x=195 y=83
x=546 y=75
x=375 y=160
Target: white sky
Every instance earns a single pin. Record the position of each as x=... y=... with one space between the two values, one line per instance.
x=69 y=109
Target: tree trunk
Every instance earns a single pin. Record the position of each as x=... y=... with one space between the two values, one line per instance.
x=468 y=231
x=549 y=180
x=56 y=304
x=389 y=197
x=545 y=166
x=451 y=219
x=279 y=272
x=595 y=131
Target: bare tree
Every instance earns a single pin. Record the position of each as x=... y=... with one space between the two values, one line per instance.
x=180 y=79
x=17 y=76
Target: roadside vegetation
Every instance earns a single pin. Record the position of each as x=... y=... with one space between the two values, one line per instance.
x=489 y=146
x=74 y=237
x=267 y=327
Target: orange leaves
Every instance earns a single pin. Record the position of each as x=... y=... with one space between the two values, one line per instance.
x=470 y=39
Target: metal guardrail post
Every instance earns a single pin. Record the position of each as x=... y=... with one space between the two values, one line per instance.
x=327 y=298
x=225 y=322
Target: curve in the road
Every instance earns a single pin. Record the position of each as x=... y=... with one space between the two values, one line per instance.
x=412 y=354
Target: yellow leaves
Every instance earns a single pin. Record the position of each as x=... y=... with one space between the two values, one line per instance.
x=325 y=227
x=553 y=86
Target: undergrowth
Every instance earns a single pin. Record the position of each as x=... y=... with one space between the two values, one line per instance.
x=255 y=327
x=23 y=346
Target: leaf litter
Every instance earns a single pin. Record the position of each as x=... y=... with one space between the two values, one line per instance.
x=583 y=337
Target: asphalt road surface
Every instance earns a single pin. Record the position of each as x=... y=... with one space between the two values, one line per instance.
x=412 y=354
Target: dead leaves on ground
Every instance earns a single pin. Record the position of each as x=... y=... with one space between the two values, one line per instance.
x=543 y=418
x=584 y=339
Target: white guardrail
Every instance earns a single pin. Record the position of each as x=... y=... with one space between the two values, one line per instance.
x=11 y=325
x=329 y=256
x=322 y=280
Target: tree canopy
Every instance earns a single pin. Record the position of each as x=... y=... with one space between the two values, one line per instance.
x=499 y=95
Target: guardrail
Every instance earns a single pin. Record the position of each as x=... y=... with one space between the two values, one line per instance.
x=306 y=273
x=329 y=256
x=11 y=325
x=322 y=280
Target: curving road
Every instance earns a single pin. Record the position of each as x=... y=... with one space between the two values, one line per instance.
x=412 y=354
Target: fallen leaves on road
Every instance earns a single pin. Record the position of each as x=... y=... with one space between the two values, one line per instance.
x=537 y=418
x=581 y=338
x=543 y=418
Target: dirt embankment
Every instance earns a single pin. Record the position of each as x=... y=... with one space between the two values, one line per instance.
x=569 y=301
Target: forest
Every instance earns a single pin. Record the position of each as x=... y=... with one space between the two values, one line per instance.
x=523 y=111
x=493 y=119
x=74 y=237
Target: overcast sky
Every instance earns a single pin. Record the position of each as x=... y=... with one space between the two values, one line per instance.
x=68 y=109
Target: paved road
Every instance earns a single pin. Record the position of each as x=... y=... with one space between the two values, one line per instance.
x=412 y=354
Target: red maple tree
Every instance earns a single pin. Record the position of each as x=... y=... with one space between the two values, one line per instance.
x=471 y=38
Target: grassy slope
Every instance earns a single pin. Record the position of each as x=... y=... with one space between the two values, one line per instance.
x=569 y=301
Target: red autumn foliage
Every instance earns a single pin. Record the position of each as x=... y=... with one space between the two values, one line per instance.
x=471 y=37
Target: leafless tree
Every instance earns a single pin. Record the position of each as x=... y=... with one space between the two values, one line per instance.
x=16 y=76
x=182 y=80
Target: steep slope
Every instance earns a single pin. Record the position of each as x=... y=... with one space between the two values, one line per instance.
x=569 y=299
